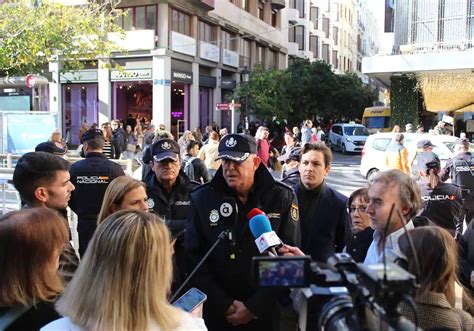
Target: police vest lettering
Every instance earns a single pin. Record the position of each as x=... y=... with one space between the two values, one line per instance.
x=438 y=197
x=92 y=179
x=182 y=203
x=464 y=168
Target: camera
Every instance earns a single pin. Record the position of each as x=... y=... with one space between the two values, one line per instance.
x=340 y=294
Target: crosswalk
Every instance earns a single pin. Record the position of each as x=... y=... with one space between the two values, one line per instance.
x=345 y=178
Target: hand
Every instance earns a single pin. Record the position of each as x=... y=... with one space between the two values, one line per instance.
x=197 y=312
x=288 y=250
x=241 y=315
x=230 y=310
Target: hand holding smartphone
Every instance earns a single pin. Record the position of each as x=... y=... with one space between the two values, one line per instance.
x=191 y=301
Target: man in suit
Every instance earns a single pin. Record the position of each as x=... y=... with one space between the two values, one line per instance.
x=325 y=222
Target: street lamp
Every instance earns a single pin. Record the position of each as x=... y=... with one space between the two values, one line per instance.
x=245 y=74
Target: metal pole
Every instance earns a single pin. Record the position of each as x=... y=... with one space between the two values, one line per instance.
x=232 y=117
x=246 y=106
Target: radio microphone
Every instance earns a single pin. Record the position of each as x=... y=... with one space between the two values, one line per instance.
x=266 y=239
x=228 y=211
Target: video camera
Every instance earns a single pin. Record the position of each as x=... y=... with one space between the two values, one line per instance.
x=340 y=294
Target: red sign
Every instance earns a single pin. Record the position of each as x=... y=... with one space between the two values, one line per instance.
x=222 y=106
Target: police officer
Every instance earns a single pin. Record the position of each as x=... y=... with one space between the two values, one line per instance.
x=234 y=302
x=291 y=175
x=424 y=152
x=460 y=169
x=168 y=191
x=442 y=202
x=91 y=177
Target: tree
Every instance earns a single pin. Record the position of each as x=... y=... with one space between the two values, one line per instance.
x=32 y=36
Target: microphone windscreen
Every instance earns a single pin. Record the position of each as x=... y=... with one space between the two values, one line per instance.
x=254 y=212
x=259 y=225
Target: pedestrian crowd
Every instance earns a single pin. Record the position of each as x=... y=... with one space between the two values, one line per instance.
x=140 y=240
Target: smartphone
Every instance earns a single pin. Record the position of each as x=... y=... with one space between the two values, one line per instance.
x=190 y=300
x=282 y=271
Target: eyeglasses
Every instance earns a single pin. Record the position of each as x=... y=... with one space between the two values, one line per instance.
x=361 y=209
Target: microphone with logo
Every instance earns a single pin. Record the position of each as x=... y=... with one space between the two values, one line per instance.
x=265 y=238
x=228 y=210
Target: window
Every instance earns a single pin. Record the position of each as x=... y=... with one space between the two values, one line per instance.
x=228 y=40
x=325 y=54
x=296 y=35
x=299 y=5
x=180 y=22
x=272 y=59
x=260 y=11
x=260 y=55
x=244 y=47
x=138 y=18
x=335 y=34
x=335 y=63
x=274 y=17
x=314 y=16
x=326 y=24
x=314 y=46
x=244 y=4
x=207 y=33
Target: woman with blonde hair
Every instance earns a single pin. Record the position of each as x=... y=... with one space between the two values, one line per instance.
x=123 y=193
x=435 y=250
x=31 y=241
x=124 y=280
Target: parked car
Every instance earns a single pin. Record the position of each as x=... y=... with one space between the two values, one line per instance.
x=373 y=154
x=9 y=199
x=347 y=137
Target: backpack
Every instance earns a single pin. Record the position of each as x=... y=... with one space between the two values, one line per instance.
x=189 y=168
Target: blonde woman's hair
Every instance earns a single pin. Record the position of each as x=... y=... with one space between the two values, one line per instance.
x=125 y=276
x=115 y=193
x=29 y=242
x=437 y=255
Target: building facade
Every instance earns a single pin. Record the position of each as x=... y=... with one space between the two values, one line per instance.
x=178 y=60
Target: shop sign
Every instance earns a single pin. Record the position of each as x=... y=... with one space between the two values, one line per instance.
x=165 y=82
x=79 y=76
x=230 y=58
x=182 y=76
x=228 y=84
x=209 y=52
x=131 y=74
x=183 y=44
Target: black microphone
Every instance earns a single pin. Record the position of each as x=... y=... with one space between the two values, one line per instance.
x=228 y=211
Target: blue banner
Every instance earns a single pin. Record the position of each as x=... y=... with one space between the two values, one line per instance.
x=25 y=131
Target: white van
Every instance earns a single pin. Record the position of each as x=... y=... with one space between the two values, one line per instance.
x=347 y=137
x=373 y=154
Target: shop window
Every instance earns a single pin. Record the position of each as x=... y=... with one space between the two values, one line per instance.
x=180 y=22
x=138 y=18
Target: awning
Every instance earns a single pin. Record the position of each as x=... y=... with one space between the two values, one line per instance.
x=446 y=92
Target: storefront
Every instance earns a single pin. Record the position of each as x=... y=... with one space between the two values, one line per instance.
x=132 y=94
x=206 y=86
x=80 y=103
x=180 y=92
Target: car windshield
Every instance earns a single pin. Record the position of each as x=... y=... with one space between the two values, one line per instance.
x=355 y=131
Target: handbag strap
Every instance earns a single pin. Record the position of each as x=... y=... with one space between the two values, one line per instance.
x=12 y=315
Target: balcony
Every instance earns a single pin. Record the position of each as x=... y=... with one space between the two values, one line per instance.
x=292 y=49
x=293 y=15
x=181 y=43
x=209 y=52
x=134 y=40
x=244 y=61
x=230 y=58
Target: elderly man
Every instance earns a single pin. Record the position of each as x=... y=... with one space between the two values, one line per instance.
x=391 y=189
x=168 y=191
x=234 y=302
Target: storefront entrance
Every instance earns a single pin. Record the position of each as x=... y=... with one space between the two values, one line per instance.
x=133 y=99
x=179 y=108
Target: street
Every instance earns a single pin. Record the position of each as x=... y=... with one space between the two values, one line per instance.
x=345 y=176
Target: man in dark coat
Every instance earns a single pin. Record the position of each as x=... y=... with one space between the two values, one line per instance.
x=325 y=222
x=234 y=302
x=91 y=177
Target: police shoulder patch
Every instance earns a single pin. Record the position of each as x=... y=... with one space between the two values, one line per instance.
x=294 y=214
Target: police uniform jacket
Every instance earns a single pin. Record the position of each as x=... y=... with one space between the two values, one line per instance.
x=456 y=167
x=442 y=205
x=222 y=278
x=291 y=177
x=91 y=177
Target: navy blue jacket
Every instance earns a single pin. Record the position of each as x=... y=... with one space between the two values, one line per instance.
x=325 y=222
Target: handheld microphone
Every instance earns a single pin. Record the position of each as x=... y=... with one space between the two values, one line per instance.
x=254 y=212
x=228 y=211
x=266 y=239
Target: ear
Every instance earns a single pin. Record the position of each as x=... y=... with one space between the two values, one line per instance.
x=114 y=208
x=41 y=194
x=256 y=162
x=327 y=170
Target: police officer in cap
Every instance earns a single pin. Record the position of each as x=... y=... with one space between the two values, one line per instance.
x=168 y=190
x=424 y=152
x=442 y=202
x=91 y=177
x=460 y=169
x=234 y=302
x=291 y=175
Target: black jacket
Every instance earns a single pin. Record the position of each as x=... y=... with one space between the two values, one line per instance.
x=360 y=243
x=443 y=206
x=291 y=177
x=466 y=256
x=200 y=169
x=325 y=223
x=91 y=177
x=119 y=141
x=224 y=279
x=34 y=318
